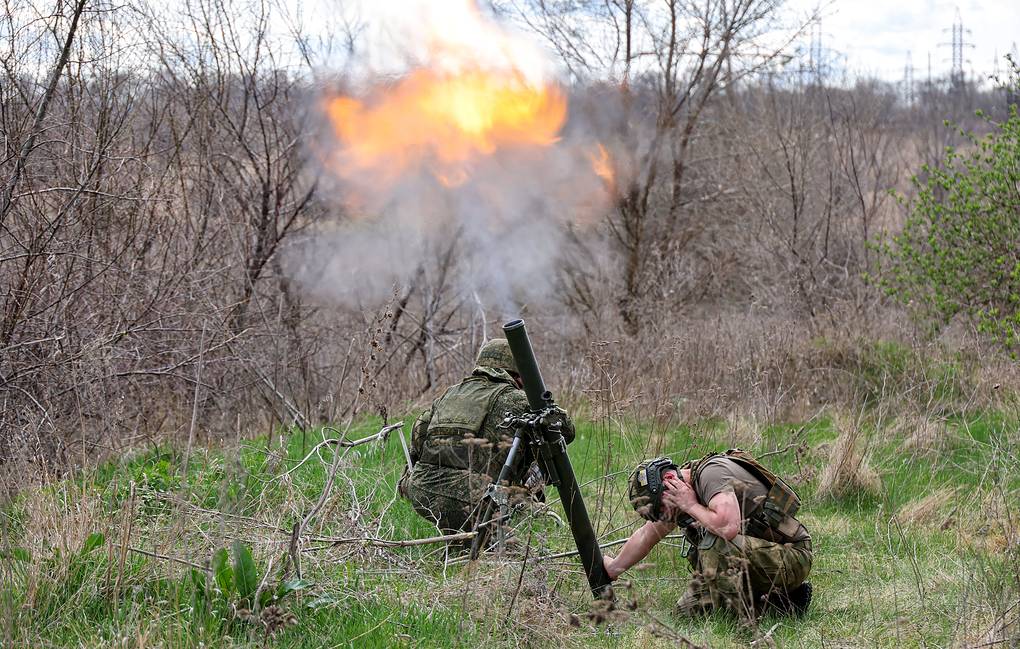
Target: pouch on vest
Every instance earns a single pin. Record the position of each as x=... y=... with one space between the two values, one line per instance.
x=457 y=415
x=706 y=541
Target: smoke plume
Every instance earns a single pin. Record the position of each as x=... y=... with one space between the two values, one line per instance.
x=467 y=167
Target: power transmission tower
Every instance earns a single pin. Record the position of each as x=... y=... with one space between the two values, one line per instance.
x=908 y=81
x=811 y=71
x=815 y=53
x=823 y=63
x=1013 y=78
x=958 y=44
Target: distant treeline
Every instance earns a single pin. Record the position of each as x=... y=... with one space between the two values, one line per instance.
x=158 y=169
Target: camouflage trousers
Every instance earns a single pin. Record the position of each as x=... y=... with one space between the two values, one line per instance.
x=450 y=497
x=447 y=497
x=738 y=575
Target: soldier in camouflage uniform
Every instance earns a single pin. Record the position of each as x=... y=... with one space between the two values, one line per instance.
x=458 y=448
x=748 y=551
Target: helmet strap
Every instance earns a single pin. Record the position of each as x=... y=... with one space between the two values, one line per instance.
x=654 y=472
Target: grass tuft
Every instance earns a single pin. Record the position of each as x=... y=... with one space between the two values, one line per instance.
x=848 y=472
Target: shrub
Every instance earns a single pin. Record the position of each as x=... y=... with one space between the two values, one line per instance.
x=959 y=251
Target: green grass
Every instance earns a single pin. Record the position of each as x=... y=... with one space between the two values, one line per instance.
x=879 y=581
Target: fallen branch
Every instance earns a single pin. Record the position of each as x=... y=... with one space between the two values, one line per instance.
x=780 y=451
x=560 y=555
x=391 y=543
x=382 y=434
x=341 y=442
x=164 y=557
x=215 y=512
x=407 y=453
x=765 y=639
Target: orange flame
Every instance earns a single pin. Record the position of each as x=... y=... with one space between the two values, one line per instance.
x=602 y=165
x=443 y=122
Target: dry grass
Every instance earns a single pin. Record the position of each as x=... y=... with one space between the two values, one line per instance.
x=923 y=434
x=848 y=470
x=1000 y=631
x=500 y=602
x=63 y=516
x=988 y=523
x=933 y=509
x=743 y=431
x=752 y=369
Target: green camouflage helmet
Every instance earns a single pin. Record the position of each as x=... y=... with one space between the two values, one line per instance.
x=645 y=488
x=496 y=354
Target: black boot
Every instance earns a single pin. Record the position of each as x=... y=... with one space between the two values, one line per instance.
x=794 y=602
x=800 y=599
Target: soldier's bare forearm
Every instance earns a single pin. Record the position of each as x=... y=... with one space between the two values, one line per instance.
x=721 y=517
x=638 y=546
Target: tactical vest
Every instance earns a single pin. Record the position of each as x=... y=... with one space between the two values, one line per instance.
x=457 y=419
x=774 y=519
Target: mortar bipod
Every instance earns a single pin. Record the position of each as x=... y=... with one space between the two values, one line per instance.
x=495 y=495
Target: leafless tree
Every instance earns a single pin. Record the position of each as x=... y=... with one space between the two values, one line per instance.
x=157 y=165
x=815 y=166
x=672 y=59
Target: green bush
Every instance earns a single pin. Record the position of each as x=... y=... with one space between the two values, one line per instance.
x=959 y=251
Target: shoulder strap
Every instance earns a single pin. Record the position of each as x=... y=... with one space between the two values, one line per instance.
x=697 y=465
x=781 y=501
x=753 y=466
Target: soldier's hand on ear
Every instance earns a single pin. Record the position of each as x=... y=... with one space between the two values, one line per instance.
x=678 y=495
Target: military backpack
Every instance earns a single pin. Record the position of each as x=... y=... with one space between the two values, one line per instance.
x=456 y=423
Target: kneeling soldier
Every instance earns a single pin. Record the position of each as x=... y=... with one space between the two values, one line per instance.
x=747 y=549
x=459 y=445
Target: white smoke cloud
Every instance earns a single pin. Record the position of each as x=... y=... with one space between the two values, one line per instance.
x=503 y=228
x=503 y=231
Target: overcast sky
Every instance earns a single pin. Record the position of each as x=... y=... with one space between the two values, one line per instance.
x=874 y=36
x=865 y=37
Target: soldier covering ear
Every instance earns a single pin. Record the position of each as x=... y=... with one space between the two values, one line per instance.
x=749 y=552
